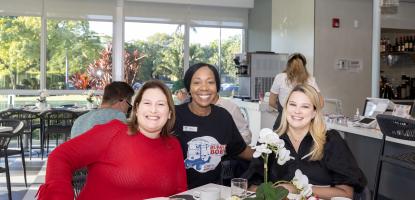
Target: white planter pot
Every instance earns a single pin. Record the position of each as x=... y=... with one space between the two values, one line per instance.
x=89 y=105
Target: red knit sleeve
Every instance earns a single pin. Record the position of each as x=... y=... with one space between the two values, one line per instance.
x=181 y=171
x=74 y=154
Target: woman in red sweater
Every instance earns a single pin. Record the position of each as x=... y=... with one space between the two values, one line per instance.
x=137 y=160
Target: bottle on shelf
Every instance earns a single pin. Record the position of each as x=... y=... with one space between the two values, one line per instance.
x=406 y=39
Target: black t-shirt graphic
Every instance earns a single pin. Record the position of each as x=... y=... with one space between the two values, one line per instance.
x=205 y=140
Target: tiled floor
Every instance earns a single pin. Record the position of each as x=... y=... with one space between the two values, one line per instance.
x=35 y=176
x=35 y=169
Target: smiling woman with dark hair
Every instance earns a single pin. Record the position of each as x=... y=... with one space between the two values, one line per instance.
x=136 y=161
x=206 y=132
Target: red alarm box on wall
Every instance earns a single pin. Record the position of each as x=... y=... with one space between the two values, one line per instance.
x=335 y=23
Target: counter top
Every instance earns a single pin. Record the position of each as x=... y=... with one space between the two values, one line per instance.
x=373 y=133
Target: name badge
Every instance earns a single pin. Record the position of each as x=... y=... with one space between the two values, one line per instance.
x=190 y=128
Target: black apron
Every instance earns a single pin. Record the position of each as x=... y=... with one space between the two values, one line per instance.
x=278 y=120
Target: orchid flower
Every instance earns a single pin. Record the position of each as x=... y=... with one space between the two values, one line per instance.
x=260 y=149
x=300 y=181
x=283 y=156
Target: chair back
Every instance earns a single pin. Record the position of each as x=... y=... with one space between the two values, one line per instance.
x=78 y=180
x=58 y=121
x=31 y=120
x=396 y=127
x=5 y=137
x=227 y=171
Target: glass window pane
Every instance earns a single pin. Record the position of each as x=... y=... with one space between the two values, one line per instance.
x=204 y=45
x=231 y=44
x=153 y=51
x=79 y=54
x=19 y=52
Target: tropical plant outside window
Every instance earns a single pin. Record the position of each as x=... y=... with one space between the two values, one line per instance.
x=72 y=48
x=162 y=47
x=77 y=53
x=19 y=52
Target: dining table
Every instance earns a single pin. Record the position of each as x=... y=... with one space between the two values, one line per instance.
x=225 y=193
x=192 y=194
x=5 y=129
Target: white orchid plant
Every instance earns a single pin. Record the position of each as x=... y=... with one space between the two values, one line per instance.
x=270 y=142
x=300 y=182
x=42 y=96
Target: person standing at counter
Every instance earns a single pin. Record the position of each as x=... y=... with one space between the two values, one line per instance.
x=206 y=132
x=323 y=156
x=136 y=161
x=295 y=73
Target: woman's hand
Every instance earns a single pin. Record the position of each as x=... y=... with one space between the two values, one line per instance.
x=290 y=187
x=252 y=188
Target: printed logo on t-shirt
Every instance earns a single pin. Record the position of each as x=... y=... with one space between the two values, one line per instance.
x=204 y=154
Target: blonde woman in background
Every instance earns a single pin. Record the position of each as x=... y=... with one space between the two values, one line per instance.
x=296 y=73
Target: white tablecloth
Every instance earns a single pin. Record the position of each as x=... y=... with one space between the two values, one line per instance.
x=225 y=192
x=5 y=128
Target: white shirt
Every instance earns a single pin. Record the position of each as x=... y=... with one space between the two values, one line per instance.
x=238 y=118
x=281 y=86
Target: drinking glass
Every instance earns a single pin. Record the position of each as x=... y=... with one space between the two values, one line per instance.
x=239 y=187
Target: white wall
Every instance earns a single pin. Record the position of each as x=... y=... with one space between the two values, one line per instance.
x=403 y=19
x=344 y=42
x=293 y=28
x=259 y=29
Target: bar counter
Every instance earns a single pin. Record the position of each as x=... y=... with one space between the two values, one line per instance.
x=396 y=182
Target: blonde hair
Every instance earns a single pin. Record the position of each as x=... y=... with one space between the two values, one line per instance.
x=317 y=125
x=296 y=71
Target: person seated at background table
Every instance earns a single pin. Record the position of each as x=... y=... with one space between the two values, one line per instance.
x=206 y=132
x=238 y=118
x=135 y=161
x=320 y=154
x=182 y=96
x=115 y=105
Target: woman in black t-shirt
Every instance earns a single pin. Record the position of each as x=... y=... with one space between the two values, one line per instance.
x=323 y=156
x=206 y=132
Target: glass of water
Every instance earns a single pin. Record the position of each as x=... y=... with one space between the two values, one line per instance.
x=239 y=187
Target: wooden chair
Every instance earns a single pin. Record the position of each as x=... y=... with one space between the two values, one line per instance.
x=5 y=138
x=400 y=128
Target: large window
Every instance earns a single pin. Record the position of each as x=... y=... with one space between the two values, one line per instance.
x=217 y=46
x=158 y=49
x=65 y=47
x=19 y=52
x=78 y=54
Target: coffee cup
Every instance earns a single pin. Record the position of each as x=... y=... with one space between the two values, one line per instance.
x=211 y=193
